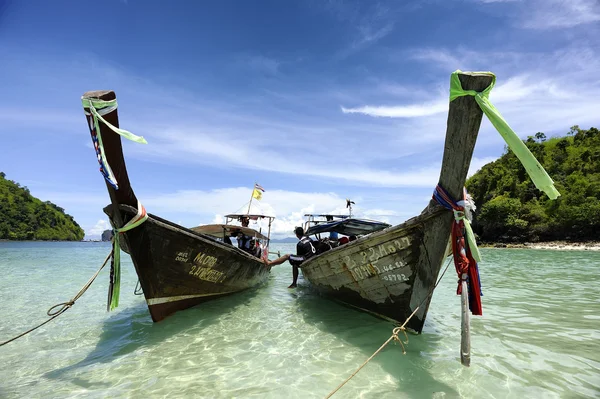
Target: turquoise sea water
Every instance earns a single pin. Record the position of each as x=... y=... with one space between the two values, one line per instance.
x=539 y=336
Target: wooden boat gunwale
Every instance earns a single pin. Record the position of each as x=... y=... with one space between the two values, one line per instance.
x=167 y=224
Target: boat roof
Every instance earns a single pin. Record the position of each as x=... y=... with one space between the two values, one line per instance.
x=325 y=215
x=238 y=216
x=217 y=230
x=348 y=227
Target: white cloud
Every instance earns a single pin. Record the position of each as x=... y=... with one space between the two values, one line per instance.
x=550 y=14
x=222 y=149
x=553 y=14
x=438 y=57
x=478 y=163
x=99 y=228
x=400 y=111
x=497 y=1
x=549 y=92
x=369 y=21
x=261 y=63
x=288 y=207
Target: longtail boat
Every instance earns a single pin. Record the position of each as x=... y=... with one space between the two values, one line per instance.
x=392 y=271
x=177 y=267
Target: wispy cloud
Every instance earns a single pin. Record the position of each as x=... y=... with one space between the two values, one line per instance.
x=551 y=14
x=369 y=21
x=497 y=1
x=400 y=111
x=98 y=228
x=535 y=91
x=211 y=149
x=261 y=63
x=478 y=163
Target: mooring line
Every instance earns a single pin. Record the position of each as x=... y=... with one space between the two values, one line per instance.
x=394 y=336
x=64 y=306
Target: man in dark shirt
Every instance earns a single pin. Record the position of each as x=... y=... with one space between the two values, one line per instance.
x=304 y=250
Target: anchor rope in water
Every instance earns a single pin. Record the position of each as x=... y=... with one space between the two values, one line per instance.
x=393 y=337
x=64 y=306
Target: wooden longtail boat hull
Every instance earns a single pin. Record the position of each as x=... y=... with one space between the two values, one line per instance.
x=393 y=272
x=177 y=267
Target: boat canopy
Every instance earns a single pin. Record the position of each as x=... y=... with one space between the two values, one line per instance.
x=218 y=230
x=348 y=227
x=312 y=216
x=239 y=216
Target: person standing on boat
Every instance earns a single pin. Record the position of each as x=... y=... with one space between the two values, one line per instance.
x=304 y=250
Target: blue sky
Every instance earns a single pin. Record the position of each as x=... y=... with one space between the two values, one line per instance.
x=316 y=100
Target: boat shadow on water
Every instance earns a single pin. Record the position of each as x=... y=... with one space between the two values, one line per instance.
x=132 y=329
x=413 y=371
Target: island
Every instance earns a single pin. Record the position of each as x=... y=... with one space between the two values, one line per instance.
x=24 y=217
x=511 y=210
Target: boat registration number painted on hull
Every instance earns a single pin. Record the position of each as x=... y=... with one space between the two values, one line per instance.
x=205 y=260
x=369 y=270
x=395 y=277
x=202 y=267
x=206 y=274
x=367 y=263
x=201 y=259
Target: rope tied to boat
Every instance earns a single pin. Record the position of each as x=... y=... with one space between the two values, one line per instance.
x=535 y=170
x=394 y=337
x=465 y=252
x=114 y=287
x=98 y=108
x=64 y=306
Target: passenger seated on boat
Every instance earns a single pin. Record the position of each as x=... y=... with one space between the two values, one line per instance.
x=244 y=242
x=227 y=240
x=322 y=245
x=344 y=240
x=255 y=248
x=304 y=250
x=333 y=235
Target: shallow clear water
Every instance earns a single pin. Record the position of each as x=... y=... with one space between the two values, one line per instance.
x=539 y=336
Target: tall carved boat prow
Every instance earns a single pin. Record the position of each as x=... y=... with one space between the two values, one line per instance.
x=177 y=267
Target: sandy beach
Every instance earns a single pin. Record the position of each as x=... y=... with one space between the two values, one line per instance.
x=558 y=245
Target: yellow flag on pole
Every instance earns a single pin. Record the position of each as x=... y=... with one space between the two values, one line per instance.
x=257 y=194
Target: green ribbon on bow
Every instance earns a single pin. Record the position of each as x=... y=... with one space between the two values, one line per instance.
x=115 y=286
x=94 y=104
x=536 y=171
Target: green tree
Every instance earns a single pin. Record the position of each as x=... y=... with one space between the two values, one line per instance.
x=511 y=208
x=24 y=217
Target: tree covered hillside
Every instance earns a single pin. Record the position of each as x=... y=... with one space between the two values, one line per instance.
x=23 y=217
x=511 y=209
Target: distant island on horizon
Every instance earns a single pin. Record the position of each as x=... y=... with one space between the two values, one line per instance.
x=24 y=217
x=285 y=240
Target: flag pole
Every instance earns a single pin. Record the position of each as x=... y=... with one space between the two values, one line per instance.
x=251 y=196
